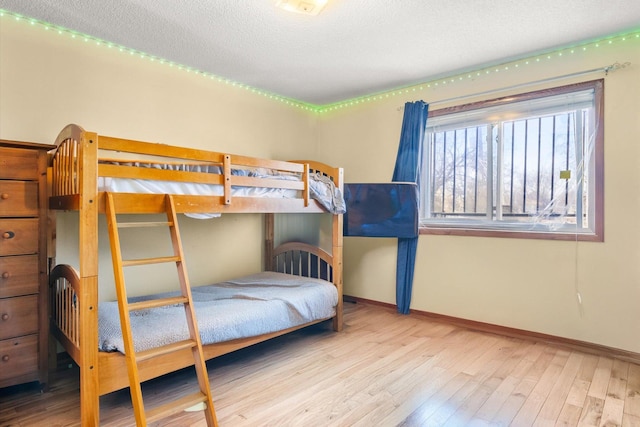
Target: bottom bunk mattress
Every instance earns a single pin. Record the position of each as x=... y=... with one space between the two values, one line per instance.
x=249 y=306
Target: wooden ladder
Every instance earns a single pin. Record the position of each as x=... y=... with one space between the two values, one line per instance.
x=203 y=396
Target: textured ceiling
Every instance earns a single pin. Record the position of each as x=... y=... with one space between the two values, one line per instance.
x=353 y=48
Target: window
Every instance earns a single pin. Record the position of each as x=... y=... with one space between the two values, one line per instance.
x=528 y=165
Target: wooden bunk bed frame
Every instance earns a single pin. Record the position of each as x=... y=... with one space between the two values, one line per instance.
x=75 y=168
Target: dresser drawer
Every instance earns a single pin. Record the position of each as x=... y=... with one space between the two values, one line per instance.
x=18 y=198
x=16 y=163
x=18 y=236
x=18 y=316
x=18 y=275
x=18 y=357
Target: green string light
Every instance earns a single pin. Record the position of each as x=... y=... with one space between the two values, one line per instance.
x=337 y=105
x=560 y=53
x=132 y=52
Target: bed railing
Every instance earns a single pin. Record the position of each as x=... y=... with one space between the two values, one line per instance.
x=302 y=259
x=65 y=169
x=122 y=158
x=64 y=303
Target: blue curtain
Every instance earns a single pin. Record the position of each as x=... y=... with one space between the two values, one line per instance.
x=407 y=169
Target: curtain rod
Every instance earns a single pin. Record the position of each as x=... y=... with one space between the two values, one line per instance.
x=613 y=67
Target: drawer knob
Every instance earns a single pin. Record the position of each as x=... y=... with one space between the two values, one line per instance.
x=8 y=235
x=5 y=358
x=5 y=275
x=5 y=316
x=4 y=196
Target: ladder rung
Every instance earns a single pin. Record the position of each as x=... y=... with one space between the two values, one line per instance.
x=145 y=224
x=174 y=407
x=145 y=261
x=159 y=302
x=165 y=349
x=190 y=345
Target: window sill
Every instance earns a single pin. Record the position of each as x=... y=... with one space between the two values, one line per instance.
x=444 y=231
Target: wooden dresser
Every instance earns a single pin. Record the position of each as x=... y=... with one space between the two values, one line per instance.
x=24 y=323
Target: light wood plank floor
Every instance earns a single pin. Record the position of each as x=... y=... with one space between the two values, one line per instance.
x=383 y=370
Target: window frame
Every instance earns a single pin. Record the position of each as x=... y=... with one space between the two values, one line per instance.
x=597 y=235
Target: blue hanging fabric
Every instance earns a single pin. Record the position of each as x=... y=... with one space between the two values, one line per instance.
x=407 y=169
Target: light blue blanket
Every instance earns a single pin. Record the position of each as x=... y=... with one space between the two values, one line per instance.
x=253 y=305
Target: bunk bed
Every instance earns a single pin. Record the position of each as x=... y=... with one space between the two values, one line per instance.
x=87 y=170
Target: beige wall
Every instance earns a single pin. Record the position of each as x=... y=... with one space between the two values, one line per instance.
x=527 y=284
x=48 y=81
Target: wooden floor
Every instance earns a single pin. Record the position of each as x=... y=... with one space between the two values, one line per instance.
x=383 y=370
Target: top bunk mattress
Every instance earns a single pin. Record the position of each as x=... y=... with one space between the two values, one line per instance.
x=249 y=306
x=321 y=188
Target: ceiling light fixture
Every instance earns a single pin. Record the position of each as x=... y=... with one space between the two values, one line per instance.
x=307 y=7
